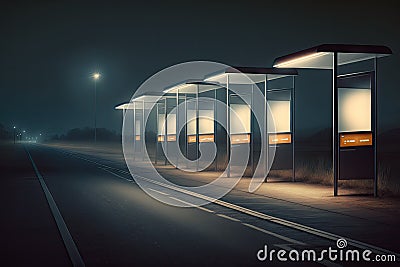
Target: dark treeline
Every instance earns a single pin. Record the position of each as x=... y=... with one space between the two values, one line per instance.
x=87 y=134
x=4 y=133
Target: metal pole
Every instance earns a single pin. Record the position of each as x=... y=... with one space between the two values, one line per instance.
x=215 y=128
x=375 y=120
x=335 y=125
x=142 y=138
x=186 y=133
x=134 y=130
x=252 y=131
x=157 y=127
x=165 y=132
x=14 y=135
x=177 y=128
x=266 y=128
x=228 y=167
x=293 y=130
x=95 y=110
x=197 y=128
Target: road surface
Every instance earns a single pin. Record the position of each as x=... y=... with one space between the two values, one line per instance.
x=98 y=216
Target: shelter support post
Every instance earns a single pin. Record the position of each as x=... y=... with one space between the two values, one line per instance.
x=142 y=138
x=375 y=125
x=165 y=132
x=335 y=135
x=265 y=141
x=228 y=130
x=157 y=127
x=197 y=128
x=293 y=129
x=134 y=130
x=177 y=129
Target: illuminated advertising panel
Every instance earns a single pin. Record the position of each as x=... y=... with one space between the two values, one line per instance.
x=240 y=123
x=137 y=130
x=161 y=120
x=281 y=113
x=191 y=122
x=354 y=107
x=171 y=124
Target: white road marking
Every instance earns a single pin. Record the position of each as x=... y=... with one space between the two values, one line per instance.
x=113 y=173
x=290 y=224
x=287 y=239
x=227 y=217
x=162 y=193
x=204 y=209
x=194 y=206
x=69 y=243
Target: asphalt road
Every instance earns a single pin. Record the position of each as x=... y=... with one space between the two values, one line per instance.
x=112 y=222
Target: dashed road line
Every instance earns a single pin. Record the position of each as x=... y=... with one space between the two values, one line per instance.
x=227 y=217
x=113 y=173
x=287 y=239
x=162 y=193
x=190 y=204
x=205 y=209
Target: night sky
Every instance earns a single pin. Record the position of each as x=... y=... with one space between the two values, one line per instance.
x=48 y=50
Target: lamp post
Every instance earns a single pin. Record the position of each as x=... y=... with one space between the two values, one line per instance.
x=95 y=76
x=14 y=135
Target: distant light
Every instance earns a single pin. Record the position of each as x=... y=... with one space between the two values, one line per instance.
x=14 y=127
x=40 y=134
x=96 y=76
x=23 y=131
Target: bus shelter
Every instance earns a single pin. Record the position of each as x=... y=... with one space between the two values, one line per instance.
x=187 y=118
x=244 y=88
x=194 y=115
x=354 y=90
x=140 y=108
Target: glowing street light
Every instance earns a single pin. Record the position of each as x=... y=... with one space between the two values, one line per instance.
x=96 y=77
x=14 y=134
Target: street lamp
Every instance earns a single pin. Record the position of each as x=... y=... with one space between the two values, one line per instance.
x=14 y=135
x=95 y=76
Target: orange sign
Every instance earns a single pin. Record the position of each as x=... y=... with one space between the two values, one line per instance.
x=280 y=138
x=137 y=138
x=203 y=138
x=171 y=138
x=355 y=139
x=192 y=139
x=240 y=139
x=206 y=138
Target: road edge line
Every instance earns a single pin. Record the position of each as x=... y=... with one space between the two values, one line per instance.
x=68 y=241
